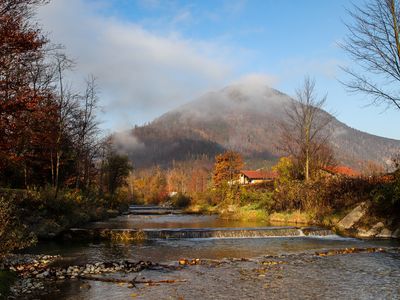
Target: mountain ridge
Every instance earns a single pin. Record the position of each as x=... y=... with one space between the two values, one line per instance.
x=244 y=118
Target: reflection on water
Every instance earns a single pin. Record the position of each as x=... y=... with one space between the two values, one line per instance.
x=173 y=221
x=172 y=250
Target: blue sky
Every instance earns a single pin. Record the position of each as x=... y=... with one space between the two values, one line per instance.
x=151 y=55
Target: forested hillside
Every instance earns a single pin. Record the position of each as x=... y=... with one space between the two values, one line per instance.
x=244 y=118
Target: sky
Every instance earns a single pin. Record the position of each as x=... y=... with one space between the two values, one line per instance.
x=150 y=56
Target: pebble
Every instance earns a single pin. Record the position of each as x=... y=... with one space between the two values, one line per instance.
x=34 y=270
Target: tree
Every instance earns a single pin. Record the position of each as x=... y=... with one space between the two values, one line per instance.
x=227 y=167
x=21 y=44
x=303 y=134
x=86 y=133
x=67 y=105
x=117 y=168
x=374 y=44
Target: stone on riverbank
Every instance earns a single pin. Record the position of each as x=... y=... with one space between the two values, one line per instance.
x=396 y=233
x=353 y=217
x=385 y=233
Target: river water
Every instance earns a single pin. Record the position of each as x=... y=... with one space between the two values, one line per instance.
x=237 y=267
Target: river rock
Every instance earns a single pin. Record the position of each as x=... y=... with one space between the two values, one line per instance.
x=385 y=233
x=353 y=217
x=375 y=230
x=396 y=233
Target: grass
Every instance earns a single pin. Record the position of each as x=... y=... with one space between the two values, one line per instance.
x=6 y=280
x=127 y=236
x=295 y=217
x=249 y=212
x=331 y=220
x=202 y=209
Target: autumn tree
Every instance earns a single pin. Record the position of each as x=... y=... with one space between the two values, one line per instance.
x=373 y=43
x=22 y=103
x=190 y=176
x=227 y=167
x=304 y=135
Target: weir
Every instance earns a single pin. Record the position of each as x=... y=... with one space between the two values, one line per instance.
x=197 y=233
x=152 y=210
x=176 y=229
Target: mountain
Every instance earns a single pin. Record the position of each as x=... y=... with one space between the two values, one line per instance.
x=245 y=118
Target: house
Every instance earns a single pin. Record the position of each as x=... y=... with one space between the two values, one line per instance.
x=254 y=177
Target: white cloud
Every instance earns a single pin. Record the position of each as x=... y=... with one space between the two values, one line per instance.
x=124 y=142
x=141 y=74
x=258 y=79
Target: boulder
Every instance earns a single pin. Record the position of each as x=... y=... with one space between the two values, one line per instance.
x=353 y=217
x=396 y=233
x=385 y=233
x=375 y=230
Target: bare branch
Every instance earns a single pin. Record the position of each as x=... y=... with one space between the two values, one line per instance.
x=373 y=43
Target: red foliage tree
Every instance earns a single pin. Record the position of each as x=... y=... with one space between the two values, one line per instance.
x=227 y=167
x=26 y=107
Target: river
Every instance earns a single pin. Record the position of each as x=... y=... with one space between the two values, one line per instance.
x=239 y=260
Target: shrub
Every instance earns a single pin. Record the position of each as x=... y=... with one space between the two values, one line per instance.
x=180 y=200
x=259 y=199
x=13 y=234
x=386 y=197
x=120 y=200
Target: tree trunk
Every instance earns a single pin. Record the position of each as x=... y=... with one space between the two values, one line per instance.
x=59 y=153
x=307 y=167
x=52 y=169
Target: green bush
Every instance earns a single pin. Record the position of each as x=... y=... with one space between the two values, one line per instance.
x=386 y=197
x=259 y=199
x=6 y=280
x=120 y=200
x=180 y=200
x=14 y=234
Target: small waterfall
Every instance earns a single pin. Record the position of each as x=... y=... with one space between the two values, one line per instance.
x=301 y=233
x=220 y=233
x=152 y=210
x=316 y=231
x=197 y=233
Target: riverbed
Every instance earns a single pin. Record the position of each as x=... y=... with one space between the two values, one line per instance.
x=237 y=266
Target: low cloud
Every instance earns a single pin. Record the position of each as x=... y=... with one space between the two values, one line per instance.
x=257 y=80
x=124 y=142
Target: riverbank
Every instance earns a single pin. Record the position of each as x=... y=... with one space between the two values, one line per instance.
x=29 y=215
x=324 y=201
x=359 y=222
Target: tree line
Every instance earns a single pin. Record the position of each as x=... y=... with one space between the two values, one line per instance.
x=49 y=130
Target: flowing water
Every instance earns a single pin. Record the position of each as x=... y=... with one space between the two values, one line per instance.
x=240 y=260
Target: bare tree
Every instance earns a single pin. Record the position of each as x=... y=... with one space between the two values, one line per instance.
x=67 y=104
x=303 y=134
x=373 y=42
x=87 y=131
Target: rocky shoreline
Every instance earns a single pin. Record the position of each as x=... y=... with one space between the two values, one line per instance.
x=35 y=273
x=38 y=275
x=358 y=223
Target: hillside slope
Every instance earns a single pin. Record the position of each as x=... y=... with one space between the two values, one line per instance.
x=243 y=118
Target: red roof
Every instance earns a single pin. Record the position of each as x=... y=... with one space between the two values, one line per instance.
x=259 y=174
x=342 y=170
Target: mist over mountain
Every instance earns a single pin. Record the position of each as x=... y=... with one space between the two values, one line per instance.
x=243 y=117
